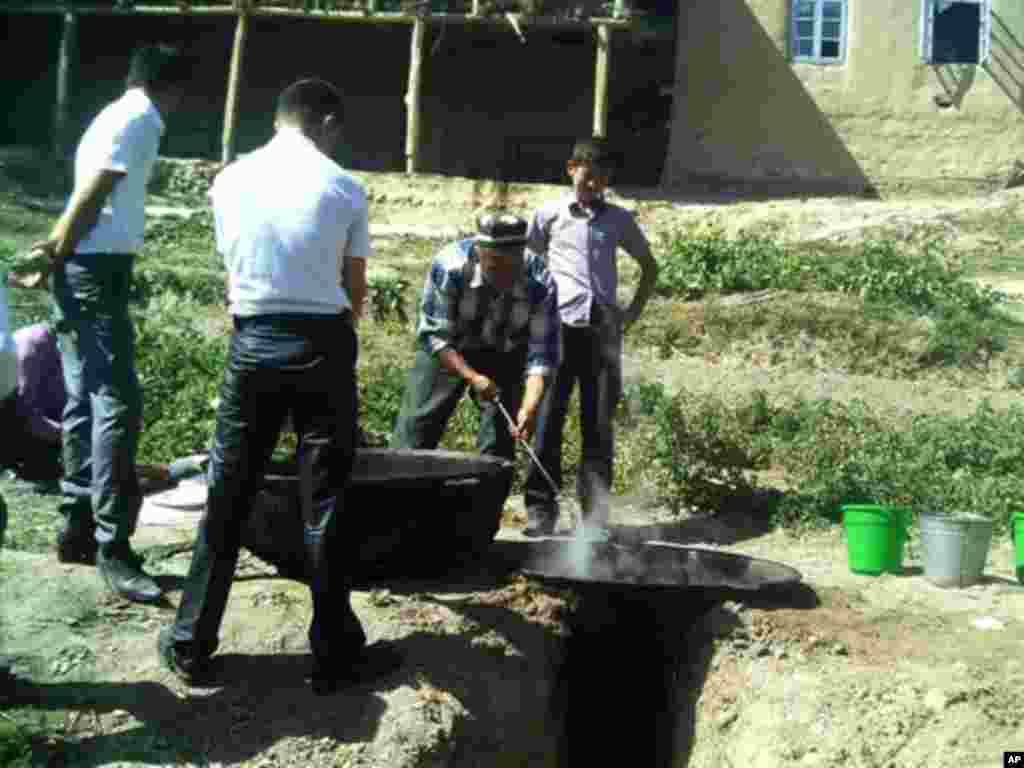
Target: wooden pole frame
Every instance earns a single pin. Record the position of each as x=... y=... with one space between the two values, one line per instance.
x=65 y=64
x=357 y=17
x=602 y=66
x=412 y=97
x=234 y=89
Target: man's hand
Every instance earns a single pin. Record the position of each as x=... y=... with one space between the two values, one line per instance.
x=629 y=316
x=526 y=421
x=32 y=269
x=484 y=387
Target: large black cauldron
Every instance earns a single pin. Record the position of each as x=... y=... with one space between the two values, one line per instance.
x=406 y=514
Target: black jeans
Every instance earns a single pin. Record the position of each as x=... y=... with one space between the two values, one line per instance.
x=276 y=364
x=591 y=354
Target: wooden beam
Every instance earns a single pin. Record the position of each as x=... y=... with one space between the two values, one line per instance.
x=234 y=89
x=357 y=17
x=65 y=64
x=412 y=98
x=601 y=67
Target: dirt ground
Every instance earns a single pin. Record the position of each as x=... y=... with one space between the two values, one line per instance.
x=852 y=671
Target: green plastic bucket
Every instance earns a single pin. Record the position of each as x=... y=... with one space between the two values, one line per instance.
x=1017 y=526
x=875 y=535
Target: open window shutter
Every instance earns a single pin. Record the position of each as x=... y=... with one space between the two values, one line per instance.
x=927 y=28
x=984 y=30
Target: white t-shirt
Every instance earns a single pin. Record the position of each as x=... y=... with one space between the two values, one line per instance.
x=8 y=353
x=285 y=217
x=124 y=137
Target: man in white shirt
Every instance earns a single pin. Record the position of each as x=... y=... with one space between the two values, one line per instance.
x=91 y=250
x=293 y=230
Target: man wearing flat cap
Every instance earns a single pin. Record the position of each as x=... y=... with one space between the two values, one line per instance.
x=488 y=321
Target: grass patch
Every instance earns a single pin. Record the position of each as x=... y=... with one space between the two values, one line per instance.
x=33 y=518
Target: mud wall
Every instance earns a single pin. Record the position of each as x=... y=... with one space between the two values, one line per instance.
x=750 y=112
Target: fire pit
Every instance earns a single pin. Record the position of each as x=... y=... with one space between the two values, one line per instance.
x=407 y=514
x=626 y=662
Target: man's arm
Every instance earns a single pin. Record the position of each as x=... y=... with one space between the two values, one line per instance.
x=455 y=363
x=544 y=351
x=353 y=280
x=80 y=216
x=353 y=261
x=636 y=245
x=435 y=328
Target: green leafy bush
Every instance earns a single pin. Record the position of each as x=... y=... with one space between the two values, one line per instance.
x=703 y=450
x=837 y=453
x=697 y=263
x=180 y=369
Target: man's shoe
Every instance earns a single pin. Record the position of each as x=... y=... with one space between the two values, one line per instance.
x=123 y=574
x=76 y=549
x=540 y=521
x=369 y=664
x=191 y=670
x=536 y=530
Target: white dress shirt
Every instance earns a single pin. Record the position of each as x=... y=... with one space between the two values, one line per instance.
x=286 y=216
x=124 y=137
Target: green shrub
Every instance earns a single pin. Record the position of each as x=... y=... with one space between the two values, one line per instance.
x=15 y=745
x=837 y=453
x=180 y=369
x=703 y=450
x=693 y=264
x=387 y=290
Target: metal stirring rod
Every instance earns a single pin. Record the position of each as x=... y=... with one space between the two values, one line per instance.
x=526 y=445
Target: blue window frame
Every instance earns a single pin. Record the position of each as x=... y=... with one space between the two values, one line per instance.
x=819 y=31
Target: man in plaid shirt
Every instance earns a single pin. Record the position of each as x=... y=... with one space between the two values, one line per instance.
x=488 y=319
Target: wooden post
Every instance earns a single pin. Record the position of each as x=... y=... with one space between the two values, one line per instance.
x=412 y=98
x=234 y=87
x=62 y=112
x=604 y=53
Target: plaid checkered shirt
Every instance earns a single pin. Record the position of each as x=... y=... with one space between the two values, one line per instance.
x=460 y=309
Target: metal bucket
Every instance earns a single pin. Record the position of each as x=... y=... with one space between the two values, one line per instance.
x=955 y=548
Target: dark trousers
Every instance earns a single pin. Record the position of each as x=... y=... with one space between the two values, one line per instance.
x=591 y=355
x=103 y=416
x=432 y=393
x=276 y=364
x=32 y=459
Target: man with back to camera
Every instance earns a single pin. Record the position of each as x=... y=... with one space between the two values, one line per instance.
x=293 y=229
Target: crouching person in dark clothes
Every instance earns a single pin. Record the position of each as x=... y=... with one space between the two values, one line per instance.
x=293 y=230
x=488 y=319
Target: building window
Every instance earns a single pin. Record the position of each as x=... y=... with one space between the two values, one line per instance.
x=819 y=31
x=955 y=31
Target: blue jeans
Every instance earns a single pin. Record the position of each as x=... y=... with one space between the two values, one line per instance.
x=103 y=416
x=592 y=355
